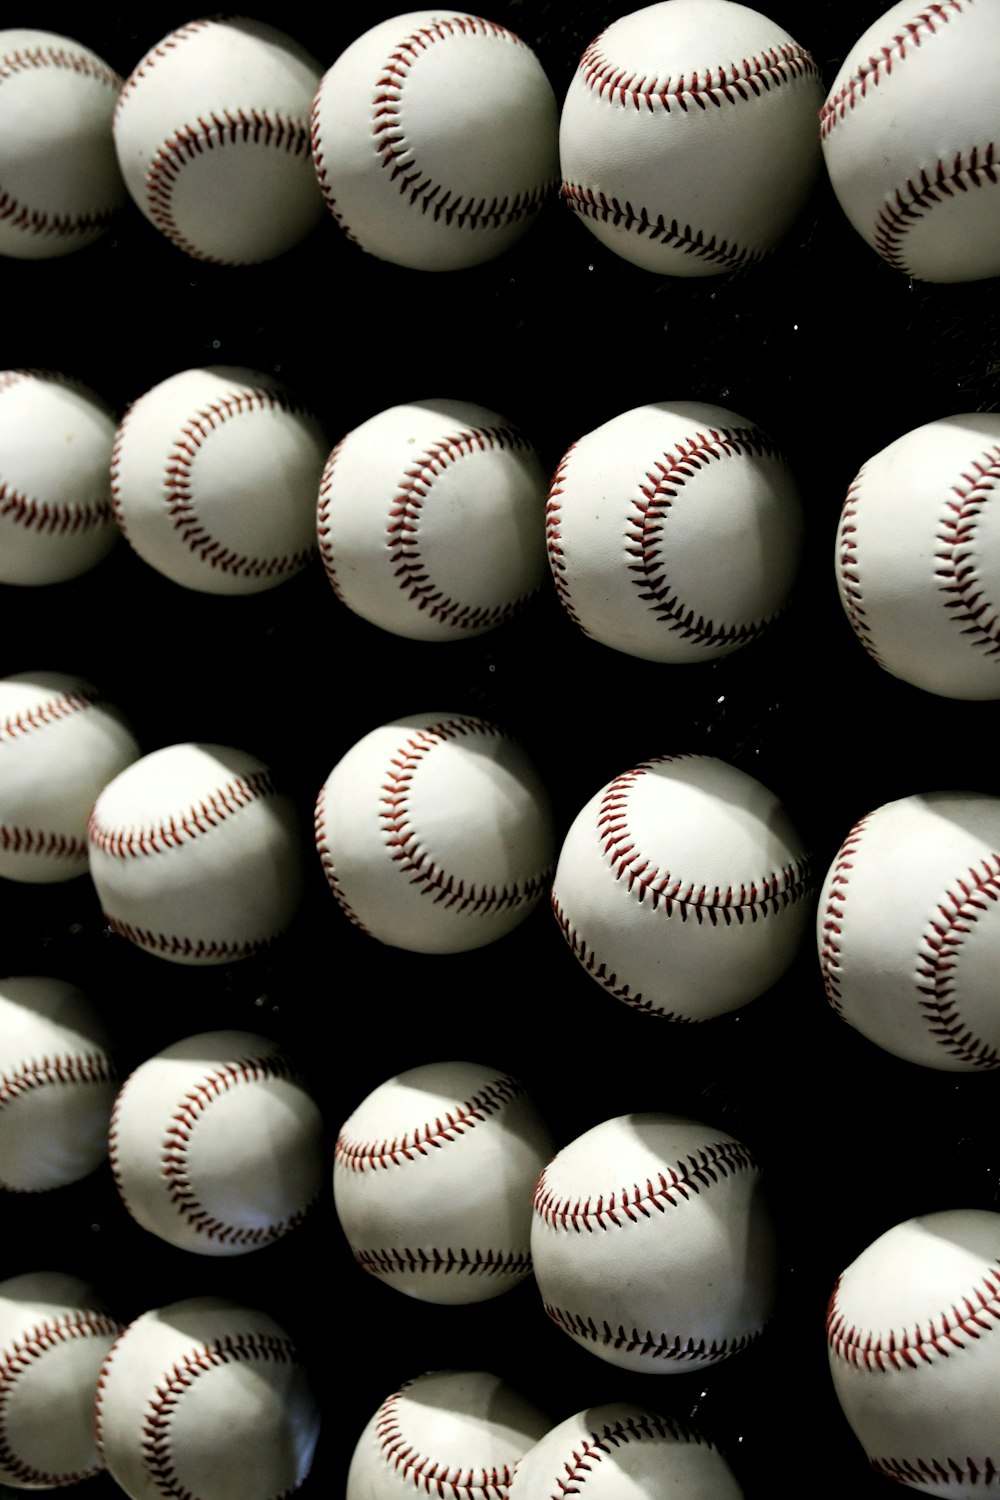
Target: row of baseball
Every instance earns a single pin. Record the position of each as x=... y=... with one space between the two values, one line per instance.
x=682 y=886
x=690 y=141
x=672 y=532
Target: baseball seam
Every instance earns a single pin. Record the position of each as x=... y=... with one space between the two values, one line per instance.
x=84 y=1067
x=637 y=219
x=975 y=614
x=155 y=1438
x=598 y=969
x=665 y=1189
x=399 y=158
x=362 y=1156
x=648 y=1344
x=158 y=53
x=181 y=504
x=433 y=1476
x=328 y=865
x=831 y=925
x=849 y=569
x=968 y=1319
x=443 y=1262
x=925 y=1471
x=53 y=711
x=201 y=817
x=16 y=1361
x=978 y=168
x=602 y=1443
x=879 y=67
x=402 y=839
x=175 y=1167
x=731 y=83
x=643 y=527
x=41 y=841
x=57 y=520
x=402 y=531
x=36 y=220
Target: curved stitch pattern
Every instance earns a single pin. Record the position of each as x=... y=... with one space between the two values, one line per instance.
x=979 y=168
x=435 y=1478
x=878 y=68
x=972 y=1317
x=751 y=77
x=648 y=1344
x=940 y=955
x=598 y=968
x=638 y=220
x=443 y=1262
x=362 y=1156
x=216 y=806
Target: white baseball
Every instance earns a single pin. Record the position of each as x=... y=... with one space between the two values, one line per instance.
x=688 y=140
x=683 y=887
x=436 y=833
x=57 y=1084
x=212 y=136
x=447 y=1432
x=216 y=1143
x=62 y=743
x=435 y=140
x=653 y=1245
x=60 y=187
x=196 y=854
x=622 y=1451
x=911 y=139
x=431 y=520
x=56 y=437
x=914 y=1352
x=208 y=1399
x=433 y=1178
x=54 y=1335
x=214 y=477
x=674 y=532
x=908 y=932
x=918 y=556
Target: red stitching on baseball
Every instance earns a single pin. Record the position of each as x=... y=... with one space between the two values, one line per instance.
x=668 y=1188
x=643 y=528
x=753 y=77
x=213 y=132
x=831 y=926
x=161 y=51
x=200 y=949
x=41 y=841
x=40 y=515
x=178 y=1380
x=446 y=1262
x=941 y=951
x=970 y=1318
x=937 y=1471
x=16 y=1360
x=609 y=977
x=398 y=158
x=362 y=1156
x=849 y=571
x=654 y=1345
x=181 y=505
x=880 y=64
x=90 y=1067
x=637 y=220
x=402 y=839
x=174 y=1164
x=329 y=868
x=201 y=817
x=42 y=715
x=979 y=168
x=603 y=1442
x=427 y=1474
x=975 y=614
x=409 y=566
x=35 y=220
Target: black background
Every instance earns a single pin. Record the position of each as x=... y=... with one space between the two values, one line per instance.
x=835 y=355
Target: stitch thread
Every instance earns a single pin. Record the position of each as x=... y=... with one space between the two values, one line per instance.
x=460 y=1262
x=52 y=711
x=753 y=77
x=666 y=1189
x=402 y=538
x=40 y=841
x=362 y=1156
x=970 y=1318
x=199 y=949
x=878 y=68
x=981 y=167
x=17 y=1359
x=605 y=1440
x=215 y=807
x=638 y=220
x=329 y=867
x=938 y=1471
x=662 y=1346
x=430 y=1475
x=940 y=950
x=830 y=953
x=599 y=970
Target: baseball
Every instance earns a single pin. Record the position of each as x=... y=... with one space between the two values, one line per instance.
x=907 y=932
x=653 y=1245
x=56 y=436
x=57 y=1084
x=622 y=1451
x=436 y=833
x=214 y=476
x=211 y=131
x=913 y=1350
x=216 y=1144
x=909 y=135
x=433 y=1177
x=445 y=1432
x=209 y=1399
x=918 y=557
x=683 y=888
x=688 y=141
x=54 y=1336
x=674 y=532
x=197 y=854
x=62 y=743
x=60 y=187
x=435 y=140
x=431 y=520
